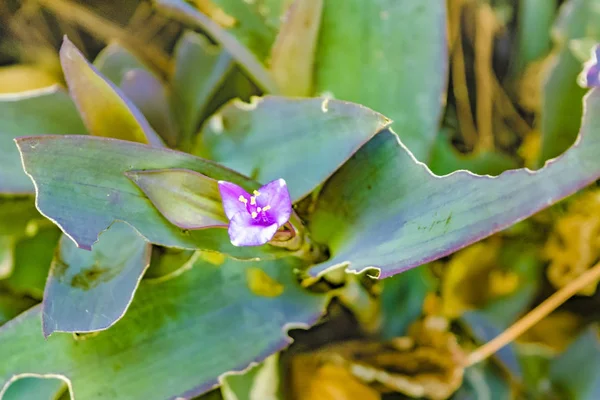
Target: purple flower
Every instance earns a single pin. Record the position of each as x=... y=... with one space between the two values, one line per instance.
x=254 y=219
x=590 y=76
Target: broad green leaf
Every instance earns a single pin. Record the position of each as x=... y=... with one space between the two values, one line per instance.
x=248 y=43
x=177 y=338
x=576 y=372
x=300 y=140
x=114 y=61
x=104 y=108
x=44 y=111
x=402 y=300
x=32 y=258
x=390 y=56
x=88 y=291
x=385 y=210
x=35 y=388
x=86 y=190
x=16 y=213
x=292 y=61
x=484 y=382
x=186 y=198
x=200 y=69
x=167 y=263
x=561 y=96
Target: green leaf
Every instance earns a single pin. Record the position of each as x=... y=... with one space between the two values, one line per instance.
x=383 y=209
x=444 y=159
x=186 y=198
x=259 y=382
x=35 y=388
x=114 y=61
x=576 y=372
x=248 y=44
x=177 y=338
x=104 y=108
x=44 y=111
x=561 y=97
x=292 y=61
x=390 y=56
x=16 y=213
x=200 y=69
x=12 y=305
x=402 y=300
x=275 y=137
x=88 y=291
x=86 y=190
x=32 y=258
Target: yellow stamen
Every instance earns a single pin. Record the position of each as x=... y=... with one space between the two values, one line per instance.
x=252 y=200
x=254 y=214
x=267 y=208
x=243 y=199
x=256 y=193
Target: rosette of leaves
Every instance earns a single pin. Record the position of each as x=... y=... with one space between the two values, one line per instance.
x=126 y=165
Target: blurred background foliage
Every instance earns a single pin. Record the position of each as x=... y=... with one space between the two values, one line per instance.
x=512 y=101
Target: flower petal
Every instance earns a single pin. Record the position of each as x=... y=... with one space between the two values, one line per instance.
x=244 y=232
x=230 y=195
x=276 y=195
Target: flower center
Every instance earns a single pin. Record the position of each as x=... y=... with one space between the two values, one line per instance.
x=253 y=208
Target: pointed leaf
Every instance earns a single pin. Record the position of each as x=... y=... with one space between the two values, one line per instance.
x=44 y=111
x=176 y=339
x=186 y=198
x=292 y=60
x=89 y=291
x=253 y=31
x=200 y=69
x=86 y=190
x=151 y=96
x=390 y=56
x=383 y=209
x=276 y=137
x=104 y=108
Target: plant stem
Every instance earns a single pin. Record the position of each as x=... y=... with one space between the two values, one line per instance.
x=534 y=316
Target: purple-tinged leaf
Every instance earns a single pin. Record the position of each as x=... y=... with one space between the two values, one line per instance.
x=186 y=198
x=247 y=60
x=38 y=112
x=300 y=140
x=114 y=61
x=88 y=291
x=200 y=69
x=104 y=108
x=86 y=190
x=177 y=338
x=385 y=210
x=151 y=97
x=590 y=76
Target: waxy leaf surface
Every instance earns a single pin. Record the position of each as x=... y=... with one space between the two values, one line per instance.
x=86 y=190
x=89 y=291
x=177 y=338
x=300 y=140
x=38 y=112
x=384 y=209
x=390 y=56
